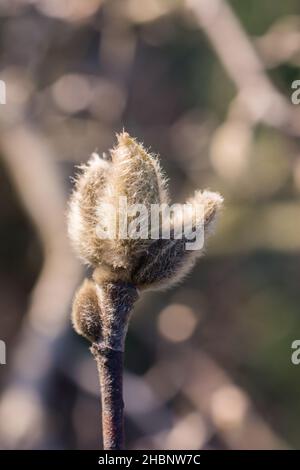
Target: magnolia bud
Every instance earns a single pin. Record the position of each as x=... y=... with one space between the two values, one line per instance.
x=133 y=174
x=86 y=312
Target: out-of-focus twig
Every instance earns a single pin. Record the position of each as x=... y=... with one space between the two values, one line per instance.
x=37 y=182
x=281 y=43
x=258 y=97
x=227 y=409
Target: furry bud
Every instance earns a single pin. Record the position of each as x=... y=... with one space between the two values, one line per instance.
x=135 y=174
x=101 y=312
x=90 y=187
x=86 y=312
x=131 y=172
x=167 y=262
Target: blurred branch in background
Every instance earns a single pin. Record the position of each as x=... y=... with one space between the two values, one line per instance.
x=258 y=101
x=257 y=97
x=281 y=43
x=226 y=406
x=22 y=406
x=214 y=411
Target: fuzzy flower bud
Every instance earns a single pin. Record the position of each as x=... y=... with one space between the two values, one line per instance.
x=135 y=175
x=86 y=316
x=129 y=173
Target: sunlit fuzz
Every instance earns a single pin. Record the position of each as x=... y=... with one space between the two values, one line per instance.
x=167 y=262
x=90 y=186
x=136 y=175
x=86 y=312
x=132 y=173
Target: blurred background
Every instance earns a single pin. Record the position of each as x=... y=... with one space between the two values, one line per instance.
x=207 y=85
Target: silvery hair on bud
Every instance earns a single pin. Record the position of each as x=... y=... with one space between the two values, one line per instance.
x=133 y=172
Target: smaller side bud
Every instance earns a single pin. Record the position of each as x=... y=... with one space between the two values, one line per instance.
x=86 y=312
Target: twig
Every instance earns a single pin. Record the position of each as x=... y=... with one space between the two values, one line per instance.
x=101 y=313
x=110 y=368
x=116 y=300
x=45 y=321
x=257 y=94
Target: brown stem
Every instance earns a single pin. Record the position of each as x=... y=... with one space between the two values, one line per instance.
x=116 y=300
x=110 y=368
